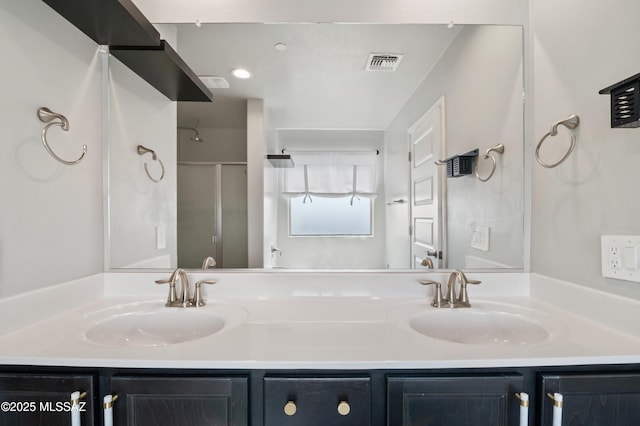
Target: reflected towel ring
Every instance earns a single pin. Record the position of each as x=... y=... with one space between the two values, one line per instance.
x=570 y=123
x=47 y=116
x=143 y=150
x=487 y=155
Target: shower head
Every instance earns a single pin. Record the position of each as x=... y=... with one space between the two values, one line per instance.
x=194 y=138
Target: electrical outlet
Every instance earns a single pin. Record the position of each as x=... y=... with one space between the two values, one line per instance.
x=615 y=258
x=619 y=254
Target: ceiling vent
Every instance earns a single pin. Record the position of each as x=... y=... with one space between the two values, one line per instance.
x=383 y=62
x=214 y=82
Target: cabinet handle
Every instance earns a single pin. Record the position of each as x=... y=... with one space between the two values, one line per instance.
x=75 y=407
x=108 y=401
x=557 y=408
x=524 y=408
x=344 y=408
x=290 y=408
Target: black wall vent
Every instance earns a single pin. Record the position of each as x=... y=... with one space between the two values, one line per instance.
x=625 y=102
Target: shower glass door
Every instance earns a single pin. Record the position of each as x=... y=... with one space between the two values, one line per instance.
x=212 y=214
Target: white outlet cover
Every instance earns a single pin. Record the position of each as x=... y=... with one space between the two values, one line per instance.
x=480 y=238
x=619 y=254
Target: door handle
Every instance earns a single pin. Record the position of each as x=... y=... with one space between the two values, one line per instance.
x=557 y=408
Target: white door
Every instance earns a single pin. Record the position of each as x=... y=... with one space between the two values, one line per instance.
x=427 y=221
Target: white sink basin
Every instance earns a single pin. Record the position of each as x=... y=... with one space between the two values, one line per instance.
x=486 y=324
x=481 y=328
x=152 y=324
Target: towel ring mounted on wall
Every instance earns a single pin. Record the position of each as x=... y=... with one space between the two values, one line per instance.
x=141 y=151
x=499 y=149
x=47 y=116
x=570 y=123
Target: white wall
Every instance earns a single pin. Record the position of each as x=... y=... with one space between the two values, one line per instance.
x=480 y=77
x=256 y=136
x=382 y=11
x=580 y=47
x=332 y=252
x=140 y=115
x=51 y=216
x=270 y=199
x=220 y=145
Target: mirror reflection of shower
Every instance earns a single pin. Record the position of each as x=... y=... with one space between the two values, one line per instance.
x=196 y=137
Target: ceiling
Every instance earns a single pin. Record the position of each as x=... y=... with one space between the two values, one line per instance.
x=319 y=82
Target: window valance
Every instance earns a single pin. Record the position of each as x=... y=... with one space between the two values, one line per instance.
x=331 y=174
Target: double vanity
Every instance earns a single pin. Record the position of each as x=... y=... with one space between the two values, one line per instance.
x=286 y=348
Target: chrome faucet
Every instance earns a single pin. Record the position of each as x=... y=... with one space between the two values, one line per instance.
x=451 y=300
x=185 y=292
x=185 y=300
x=427 y=262
x=208 y=262
x=462 y=300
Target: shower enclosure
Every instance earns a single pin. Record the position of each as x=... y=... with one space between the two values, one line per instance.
x=212 y=214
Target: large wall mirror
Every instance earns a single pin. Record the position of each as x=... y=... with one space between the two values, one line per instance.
x=433 y=92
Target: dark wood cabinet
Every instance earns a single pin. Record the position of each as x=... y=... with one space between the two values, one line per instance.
x=592 y=396
x=317 y=401
x=180 y=401
x=453 y=400
x=45 y=399
x=592 y=399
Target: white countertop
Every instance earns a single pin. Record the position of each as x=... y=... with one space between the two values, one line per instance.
x=316 y=321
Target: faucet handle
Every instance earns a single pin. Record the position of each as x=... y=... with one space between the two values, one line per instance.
x=437 y=297
x=197 y=299
x=463 y=299
x=173 y=296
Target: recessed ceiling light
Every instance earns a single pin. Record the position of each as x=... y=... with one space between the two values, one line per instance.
x=242 y=73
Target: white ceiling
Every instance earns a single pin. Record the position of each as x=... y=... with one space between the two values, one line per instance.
x=319 y=82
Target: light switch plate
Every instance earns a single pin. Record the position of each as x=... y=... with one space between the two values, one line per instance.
x=621 y=257
x=161 y=237
x=480 y=238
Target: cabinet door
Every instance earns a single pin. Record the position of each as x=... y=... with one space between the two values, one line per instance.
x=593 y=399
x=453 y=401
x=45 y=399
x=180 y=401
x=318 y=401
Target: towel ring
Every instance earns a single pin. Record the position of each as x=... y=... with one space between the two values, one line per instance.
x=141 y=151
x=570 y=123
x=487 y=155
x=47 y=116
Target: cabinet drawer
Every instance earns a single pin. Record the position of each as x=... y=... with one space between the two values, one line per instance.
x=321 y=401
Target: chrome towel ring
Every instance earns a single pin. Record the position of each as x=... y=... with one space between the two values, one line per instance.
x=570 y=123
x=143 y=150
x=47 y=116
x=499 y=149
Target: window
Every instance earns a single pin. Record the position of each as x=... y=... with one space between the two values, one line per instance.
x=320 y=216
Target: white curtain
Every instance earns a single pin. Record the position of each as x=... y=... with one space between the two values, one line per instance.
x=331 y=174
